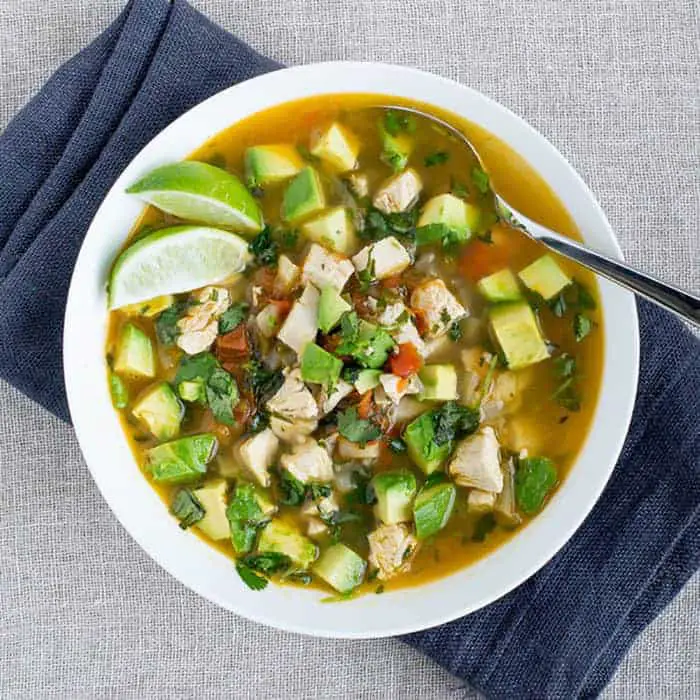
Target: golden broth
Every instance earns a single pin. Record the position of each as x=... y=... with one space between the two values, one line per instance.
x=560 y=433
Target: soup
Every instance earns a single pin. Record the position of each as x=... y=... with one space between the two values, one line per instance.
x=331 y=358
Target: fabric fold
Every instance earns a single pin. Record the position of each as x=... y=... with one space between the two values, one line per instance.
x=560 y=634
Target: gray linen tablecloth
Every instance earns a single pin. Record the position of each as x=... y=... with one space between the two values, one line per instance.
x=614 y=84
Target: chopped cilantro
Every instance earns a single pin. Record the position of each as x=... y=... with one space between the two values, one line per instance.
x=452 y=422
x=396 y=121
x=166 y=323
x=481 y=180
x=357 y=429
x=455 y=332
x=232 y=317
x=292 y=491
x=437 y=158
x=397 y=445
x=582 y=326
x=250 y=578
x=485 y=524
x=267 y=563
x=459 y=189
x=186 y=508
x=264 y=248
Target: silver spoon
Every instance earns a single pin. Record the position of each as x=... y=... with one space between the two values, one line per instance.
x=683 y=303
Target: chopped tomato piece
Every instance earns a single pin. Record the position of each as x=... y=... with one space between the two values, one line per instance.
x=480 y=259
x=265 y=277
x=407 y=361
x=234 y=345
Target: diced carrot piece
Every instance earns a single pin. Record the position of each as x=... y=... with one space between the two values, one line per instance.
x=480 y=259
x=364 y=408
x=407 y=361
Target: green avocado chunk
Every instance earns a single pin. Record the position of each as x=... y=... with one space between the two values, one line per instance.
x=419 y=437
x=319 y=366
x=182 y=460
x=331 y=307
x=340 y=568
x=160 y=411
x=135 y=356
x=303 y=196
x=395 y=491
x=515 y=327
x=432 y=508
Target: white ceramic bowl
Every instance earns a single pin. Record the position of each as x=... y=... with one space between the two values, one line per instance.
x=210 y=573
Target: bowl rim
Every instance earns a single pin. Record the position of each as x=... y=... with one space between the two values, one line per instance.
x=198 y=565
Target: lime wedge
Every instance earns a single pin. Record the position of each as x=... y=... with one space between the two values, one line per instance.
x=201 y=193
x=174 y=260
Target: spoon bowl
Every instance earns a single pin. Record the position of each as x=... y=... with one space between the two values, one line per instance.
x=672 y=298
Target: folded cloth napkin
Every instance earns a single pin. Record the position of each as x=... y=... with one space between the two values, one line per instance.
x=559 y=635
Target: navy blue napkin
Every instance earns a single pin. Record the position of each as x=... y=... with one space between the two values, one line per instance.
x=559 y=635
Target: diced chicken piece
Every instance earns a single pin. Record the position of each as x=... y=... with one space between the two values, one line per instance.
x=408 y=409
x=476 y=363
x=258 y=453
x=200 y=325
x=301 y=325
x=476 y=463
x=287 y=277
x=292 y=432
x=408 y=333
x=359 y=184
x=328 y=400
x=385 y=258
x=505 y=503
x=345 y=480
x=392 y=313
x=481 y=501
x=491 y=409
x=397 y=387
x=348 y=450
x=398 y=193
x=391 y=550
x=325 y=268
x=308 y=462
x=268 y=320
x=437 y=307
x=315 y=528
x=293 y=400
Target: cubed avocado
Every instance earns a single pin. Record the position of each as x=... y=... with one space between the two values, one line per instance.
x=340 y=568
x=439 y=383
x=331 y=307
x=319 y=367
x=544 y=277
x=279 y=536
x=516 y=330
x=149 y=308
x=432 y=508
x=396 y=150
x=332 y=229
x=134 y=355
x=500 y=286
x=182 y=460
x=274 y=163
x=395 y=491
x=303 y=196
x=460 y=218
x=160 y=410
x=212 y=496
x=337 y=146
x=192 y=391
x=419 y=437
x=367 y=379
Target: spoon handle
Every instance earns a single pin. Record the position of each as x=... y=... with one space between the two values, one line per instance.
x=684 y=304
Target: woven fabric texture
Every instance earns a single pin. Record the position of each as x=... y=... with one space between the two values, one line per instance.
x=80 y=618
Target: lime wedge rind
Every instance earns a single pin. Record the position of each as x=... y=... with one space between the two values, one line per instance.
x=175 y=260
x=200 y=193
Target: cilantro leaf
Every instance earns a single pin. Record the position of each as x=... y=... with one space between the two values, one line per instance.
x=186 y=508
x=452 y=422
x=166 y=323
x=437 y=158
x=232 y=317
x=292 y=491
x=250 y=578
x=357 y=429
x=481 y=180
x=267 y=562
x=264 y=248
x=582 y=326
x=397 y=121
